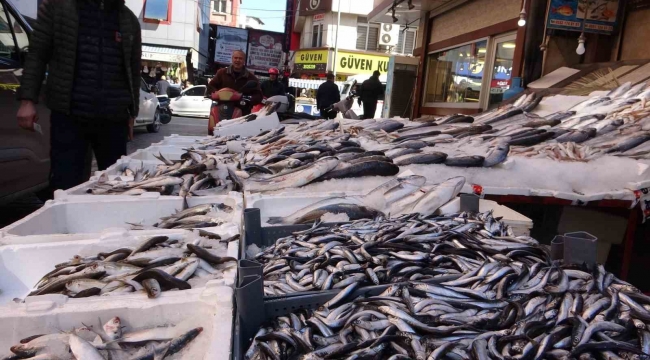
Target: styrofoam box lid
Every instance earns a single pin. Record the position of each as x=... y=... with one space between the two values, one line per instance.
x=94 y=214
x=210 y=308
x=22 y=264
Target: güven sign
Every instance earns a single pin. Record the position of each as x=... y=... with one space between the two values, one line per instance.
x=362 y=63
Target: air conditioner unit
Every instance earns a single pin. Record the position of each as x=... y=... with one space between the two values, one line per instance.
x=388 y=34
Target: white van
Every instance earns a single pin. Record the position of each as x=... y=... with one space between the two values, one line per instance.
x=358 y=109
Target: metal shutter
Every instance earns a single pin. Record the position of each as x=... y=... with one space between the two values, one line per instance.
x=401 y=95
x=409 y=42
x=373 y=38
x=362 y=33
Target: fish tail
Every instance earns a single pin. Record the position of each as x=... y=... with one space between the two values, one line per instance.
x=275 y=220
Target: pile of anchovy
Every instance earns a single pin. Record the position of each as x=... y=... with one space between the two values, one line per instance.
x=381 y=251
x=155 y=265
x=108 y=342
x=466 y=289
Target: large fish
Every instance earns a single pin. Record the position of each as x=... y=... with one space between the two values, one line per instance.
x=434 y=157
x=496 y=155
x=353 y=212
x=296 y=179
x=438 y=196
x=365 y=168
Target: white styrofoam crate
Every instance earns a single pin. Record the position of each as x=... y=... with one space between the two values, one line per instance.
x=250 y=128
x=210 y=308
x=170 y=152
x=175 y=139
x=286 y=204
x=96 y=213
x=23 y=264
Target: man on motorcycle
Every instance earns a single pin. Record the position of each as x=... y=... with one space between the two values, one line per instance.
x=273 y=86
x=235 y=77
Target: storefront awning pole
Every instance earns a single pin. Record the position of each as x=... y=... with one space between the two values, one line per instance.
x=336 y=41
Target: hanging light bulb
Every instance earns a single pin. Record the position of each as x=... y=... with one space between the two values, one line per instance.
x=522 y=15
x=580 y=50
x=522 y=18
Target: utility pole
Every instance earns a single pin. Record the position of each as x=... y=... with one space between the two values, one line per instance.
x=336 y=41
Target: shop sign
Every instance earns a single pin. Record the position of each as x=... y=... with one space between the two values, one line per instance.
x=361 y=63
x=311 y=7
x=315 y=60
x=264 y=50
x=171 y=58
x=601 y=15
x=318 y=18
x=228 y=40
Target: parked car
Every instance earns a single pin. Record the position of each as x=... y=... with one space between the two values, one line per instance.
x=191 y=102
x=24 y=155
x=149 y=114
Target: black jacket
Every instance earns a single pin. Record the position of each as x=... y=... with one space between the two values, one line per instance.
x=371 y=89
x=272 y=88
x=53 y=46
x=327 y=94
x=100 y=88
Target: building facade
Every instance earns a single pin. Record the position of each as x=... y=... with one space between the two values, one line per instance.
x=225 y=12
x=470 y=51
x=362 y=45
x=174 y=37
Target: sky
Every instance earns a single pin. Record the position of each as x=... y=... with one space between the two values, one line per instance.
x=270 y=11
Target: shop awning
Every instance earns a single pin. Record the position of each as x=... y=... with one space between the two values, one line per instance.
x=164 y=53
x=310 y=84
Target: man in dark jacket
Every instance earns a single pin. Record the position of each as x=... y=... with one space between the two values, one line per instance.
x=273 y=86
x=371 y=91
x=91 y=50
x=327 y=94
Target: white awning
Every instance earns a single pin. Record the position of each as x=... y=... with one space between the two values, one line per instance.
x=310 y=84
x=163 y=53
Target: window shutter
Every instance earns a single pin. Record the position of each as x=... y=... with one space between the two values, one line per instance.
x=409 y=43
x=362 y=33
x=373 y=38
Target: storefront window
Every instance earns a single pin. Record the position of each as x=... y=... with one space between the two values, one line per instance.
x=456 y=75
x=502 y=69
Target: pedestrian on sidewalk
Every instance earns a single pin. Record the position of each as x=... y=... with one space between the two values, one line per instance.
x=326 y=96
x=91 y=50
x=371 y=91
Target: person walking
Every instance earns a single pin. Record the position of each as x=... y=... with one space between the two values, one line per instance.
x=273 y=86
x=91 y=50
x=162 y=85
x=371 y=91
x=327 y=95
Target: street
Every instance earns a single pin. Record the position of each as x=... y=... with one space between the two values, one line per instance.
x=141 y=139
x=179 y=125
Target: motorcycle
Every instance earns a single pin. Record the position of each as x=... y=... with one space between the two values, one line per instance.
x=285 y=106
x=165 y=112
x=228 y=103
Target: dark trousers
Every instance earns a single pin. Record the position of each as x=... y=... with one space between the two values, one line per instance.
x=71 y=140
x=328 y=114
x=369 y=108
